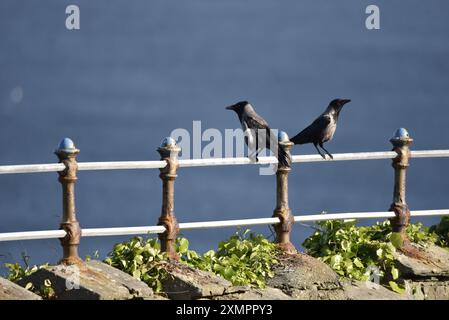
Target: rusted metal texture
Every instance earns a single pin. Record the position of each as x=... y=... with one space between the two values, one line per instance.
x=169 y=152
x=67 y=155
x=401 y=145
x=282 y=211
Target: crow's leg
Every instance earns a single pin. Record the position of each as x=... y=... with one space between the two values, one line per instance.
x=257 y=147
x=330 y=155
x=255 y=154
x=252 y=155
x=249 y=140
x=319 y=151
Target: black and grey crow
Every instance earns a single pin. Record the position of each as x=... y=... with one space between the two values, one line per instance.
x=323 y=128
x=256 y=127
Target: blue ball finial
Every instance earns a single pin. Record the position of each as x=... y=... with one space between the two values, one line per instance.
x=67 y=145
x=283 y=136
x=401 y=133
x=168 y=142
x=66 y=149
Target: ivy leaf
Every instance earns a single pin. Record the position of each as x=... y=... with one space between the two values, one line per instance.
x=394 y=273
x=379 y=252
x=345 y=245
x=335 y=260
x=136 y=274
x=358 y=263
x=228 y=273
x=395 y=287
x=183 y=245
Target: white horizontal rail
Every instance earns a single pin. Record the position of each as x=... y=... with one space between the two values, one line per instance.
x=120 y=165
x=122 y=231
x=347 y=156
x=32 y=235
x=127 y=165
x=32 y=168
x=100 y=232
x=227 y=223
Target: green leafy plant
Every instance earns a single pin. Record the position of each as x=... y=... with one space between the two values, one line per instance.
x=141 y=258
x=355 y=251
x=442 y=231
x=17 y=272
x=94 y=255
x=417 y=233
x=243 y=259
x=45 y=290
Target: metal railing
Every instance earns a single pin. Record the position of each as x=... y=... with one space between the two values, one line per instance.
x=129 y=165
x=168 y=227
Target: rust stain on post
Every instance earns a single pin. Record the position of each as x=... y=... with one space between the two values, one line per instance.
x=401 y=145
x=169 y=152
x=67 y=155
x=282 y=211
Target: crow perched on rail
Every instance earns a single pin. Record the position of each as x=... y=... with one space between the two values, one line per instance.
x=255 y=128
x=323 y=128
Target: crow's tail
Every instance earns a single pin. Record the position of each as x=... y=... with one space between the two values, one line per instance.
x=300 y=138
x=284 y=158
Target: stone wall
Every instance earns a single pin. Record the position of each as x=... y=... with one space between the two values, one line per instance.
x=298 y=277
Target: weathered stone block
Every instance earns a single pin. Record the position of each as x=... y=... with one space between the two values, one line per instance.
x=429 y=261
x=93 y=280
x=305 y=278
x=12 y=291
x=248 y=293
x=425 y=271
x=186 y=283
x=428 y=290
x=358 y=290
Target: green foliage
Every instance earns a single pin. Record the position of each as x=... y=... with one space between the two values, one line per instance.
x=45 y=290
x=419 y=234
x=355 y=251
x=442 y=231
x=18 y=272
x=95 y=255
x=141 y=258
x=243 y=259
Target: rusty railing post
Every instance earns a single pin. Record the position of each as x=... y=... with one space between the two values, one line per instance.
x=67 y=155
x=401 y=145
x=282 y=210
x=169 y=152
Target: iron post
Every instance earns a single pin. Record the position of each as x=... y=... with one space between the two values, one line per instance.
x=67 y=153
x=169 y=152
x=282 y=211
x=401 y=145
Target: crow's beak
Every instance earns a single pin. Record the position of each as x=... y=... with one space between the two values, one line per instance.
x=230 y=108
x=345 y=101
